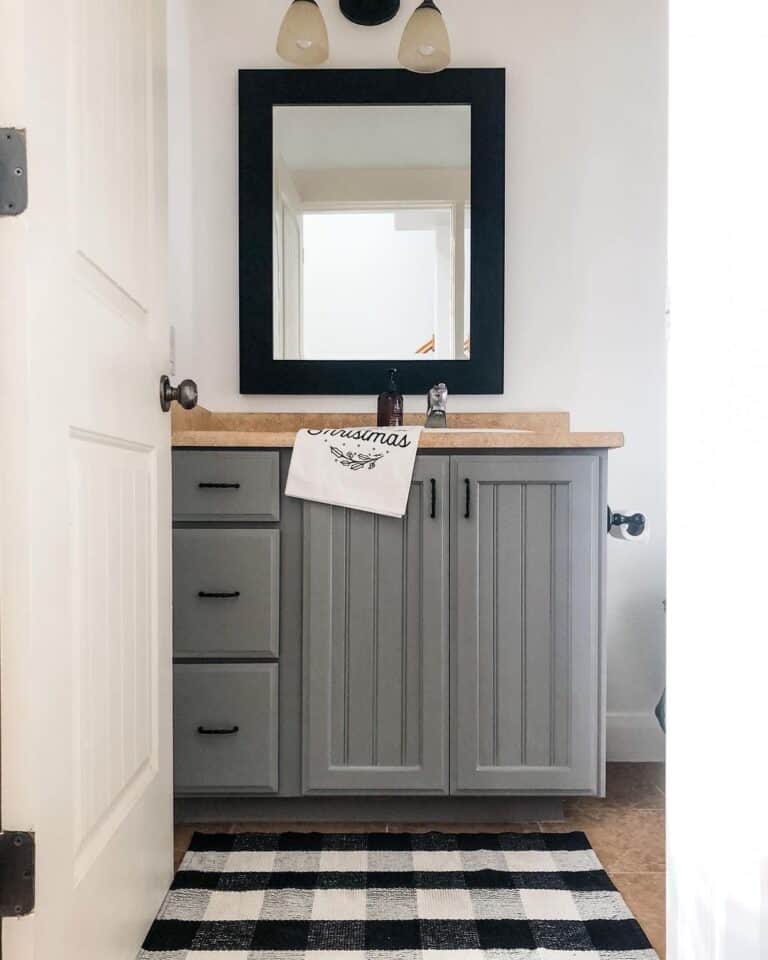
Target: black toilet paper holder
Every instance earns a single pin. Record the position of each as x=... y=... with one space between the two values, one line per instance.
x=635 y=523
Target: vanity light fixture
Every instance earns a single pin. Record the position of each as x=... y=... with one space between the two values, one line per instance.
x=426 y=46
x=303 y=37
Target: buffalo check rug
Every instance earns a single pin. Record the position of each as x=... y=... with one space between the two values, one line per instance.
x=394 y=896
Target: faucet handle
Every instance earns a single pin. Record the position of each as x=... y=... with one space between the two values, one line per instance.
x=437 y=398
x=437 y=404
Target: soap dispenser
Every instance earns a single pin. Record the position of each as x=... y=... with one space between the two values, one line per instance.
x=390 y=409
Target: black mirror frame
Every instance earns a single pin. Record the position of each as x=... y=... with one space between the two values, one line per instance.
x=484 y=90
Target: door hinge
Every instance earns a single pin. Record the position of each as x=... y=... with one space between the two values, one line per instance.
x=13 y=171
x=17 y=874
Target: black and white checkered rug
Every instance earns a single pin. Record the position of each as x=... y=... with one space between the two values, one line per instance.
x=394 y=896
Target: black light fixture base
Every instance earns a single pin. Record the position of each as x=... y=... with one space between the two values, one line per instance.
x=370 y=13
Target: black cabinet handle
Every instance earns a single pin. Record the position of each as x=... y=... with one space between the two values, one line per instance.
x=219 y=486
x=468 y=501
x=217 y=731
x=218 y=596
x=433 y=508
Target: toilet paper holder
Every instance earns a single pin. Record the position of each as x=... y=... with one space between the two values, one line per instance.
x=635 y=523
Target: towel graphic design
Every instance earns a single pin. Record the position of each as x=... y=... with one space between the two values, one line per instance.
x=362 y=468
x=356 y=461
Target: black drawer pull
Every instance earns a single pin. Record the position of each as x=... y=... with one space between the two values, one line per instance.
x=217 y=731
x=219 y=486
x=218 y=596
x=468 y=502
x=433 y=510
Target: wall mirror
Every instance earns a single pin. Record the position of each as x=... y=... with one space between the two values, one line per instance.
x=371 y=230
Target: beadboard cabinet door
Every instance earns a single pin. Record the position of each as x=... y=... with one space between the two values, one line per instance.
x=376 y=644
x=524 y=626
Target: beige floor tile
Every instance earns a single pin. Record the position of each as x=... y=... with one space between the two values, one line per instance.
x=637 y=786
x=626 y=781
x=625 y=840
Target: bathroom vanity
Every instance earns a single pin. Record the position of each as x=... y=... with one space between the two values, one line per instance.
x=325 y=651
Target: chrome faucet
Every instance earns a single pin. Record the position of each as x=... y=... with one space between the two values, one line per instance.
x=437 y=404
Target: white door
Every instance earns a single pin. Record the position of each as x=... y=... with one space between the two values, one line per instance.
x=718 y=477
x=84 y=495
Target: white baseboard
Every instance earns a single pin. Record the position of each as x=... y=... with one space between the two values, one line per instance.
x=634 y=738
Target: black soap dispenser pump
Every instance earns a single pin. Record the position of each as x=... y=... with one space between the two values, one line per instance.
x=390 y=409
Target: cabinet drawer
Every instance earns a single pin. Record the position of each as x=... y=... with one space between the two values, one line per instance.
x=226 y=593
x=225 y=728
x=226 y=485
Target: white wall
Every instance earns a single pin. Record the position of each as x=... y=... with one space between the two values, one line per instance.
x=586 y=159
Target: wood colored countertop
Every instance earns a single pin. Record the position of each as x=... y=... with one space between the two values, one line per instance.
x=475 y=431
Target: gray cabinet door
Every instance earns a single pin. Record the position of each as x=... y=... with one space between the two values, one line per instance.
x=525 y=670
x=376 y=644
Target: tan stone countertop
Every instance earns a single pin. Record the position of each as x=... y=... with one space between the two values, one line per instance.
x=469 y=431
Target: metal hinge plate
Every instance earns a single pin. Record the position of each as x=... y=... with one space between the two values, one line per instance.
x=13 y=171
x=17 y=874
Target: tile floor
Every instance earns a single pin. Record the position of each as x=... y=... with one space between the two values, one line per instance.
x=626 y=830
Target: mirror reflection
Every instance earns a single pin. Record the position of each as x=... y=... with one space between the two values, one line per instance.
x=372 y=230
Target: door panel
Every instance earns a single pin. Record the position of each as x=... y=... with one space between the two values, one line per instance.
x=112 y=59
x=376 y=644
x=86 y=660
x=525 y=675
x=114 y=490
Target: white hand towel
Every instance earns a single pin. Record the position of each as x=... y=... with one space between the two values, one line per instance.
x=363 y=468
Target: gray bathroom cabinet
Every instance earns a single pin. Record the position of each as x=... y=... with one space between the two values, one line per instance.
x=376 y=663
x=456 y=651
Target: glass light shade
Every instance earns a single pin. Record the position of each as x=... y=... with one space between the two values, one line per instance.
x=426 y=46
x=303 y=37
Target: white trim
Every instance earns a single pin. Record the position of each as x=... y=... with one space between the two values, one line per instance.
x=635 y=738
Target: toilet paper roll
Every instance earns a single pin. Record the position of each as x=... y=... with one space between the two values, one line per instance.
x=621 y=533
